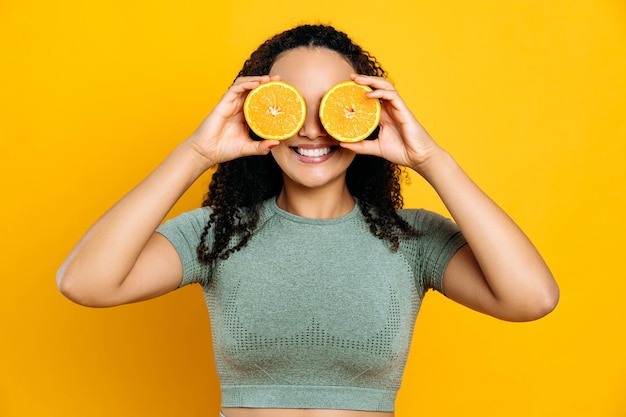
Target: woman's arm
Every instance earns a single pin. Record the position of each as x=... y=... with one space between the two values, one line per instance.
x=121 y=259
x=499 y=272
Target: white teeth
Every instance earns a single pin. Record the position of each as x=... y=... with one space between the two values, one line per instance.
x=313 y=152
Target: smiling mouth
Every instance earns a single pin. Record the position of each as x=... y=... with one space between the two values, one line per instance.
x=314 y=153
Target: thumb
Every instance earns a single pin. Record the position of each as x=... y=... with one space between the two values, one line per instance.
x=364 y=147
x=265 y=146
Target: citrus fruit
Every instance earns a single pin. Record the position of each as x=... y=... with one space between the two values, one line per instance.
x=347 y=114
x=274 y=110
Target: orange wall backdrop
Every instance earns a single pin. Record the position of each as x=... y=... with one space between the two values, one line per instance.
x=530 y=96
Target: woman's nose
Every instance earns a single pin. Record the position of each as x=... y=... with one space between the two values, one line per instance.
x=312 y=127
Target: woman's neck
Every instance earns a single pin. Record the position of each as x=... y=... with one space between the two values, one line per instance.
x=325 y=203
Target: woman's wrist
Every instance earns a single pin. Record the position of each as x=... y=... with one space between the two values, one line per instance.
x=193 y=157
x=435 y=165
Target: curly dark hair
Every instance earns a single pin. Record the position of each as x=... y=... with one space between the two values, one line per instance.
x=239 y=187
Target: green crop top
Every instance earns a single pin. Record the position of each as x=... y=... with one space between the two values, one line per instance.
x=315 y=313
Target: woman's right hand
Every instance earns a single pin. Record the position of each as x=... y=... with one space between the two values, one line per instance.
x=223 y=135
x=121 y=259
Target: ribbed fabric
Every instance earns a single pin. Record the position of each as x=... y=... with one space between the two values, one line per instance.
x=315 y=313
x=307 y=396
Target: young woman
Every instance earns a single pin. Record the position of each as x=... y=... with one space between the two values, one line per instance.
x=312 y=274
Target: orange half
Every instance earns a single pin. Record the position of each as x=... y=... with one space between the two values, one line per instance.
x=274 y=110
x=347 y=114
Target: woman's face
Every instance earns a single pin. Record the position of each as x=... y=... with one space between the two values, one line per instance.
x=312 y=158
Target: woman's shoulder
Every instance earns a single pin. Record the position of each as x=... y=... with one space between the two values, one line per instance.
x=425 y=220
x=194 y=219
x=202 y=214
x=416 y=214
x=196 y=213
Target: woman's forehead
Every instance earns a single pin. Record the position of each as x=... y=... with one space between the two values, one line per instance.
x=312 y=68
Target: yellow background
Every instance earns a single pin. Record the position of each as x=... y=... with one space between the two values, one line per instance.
x=530 y=96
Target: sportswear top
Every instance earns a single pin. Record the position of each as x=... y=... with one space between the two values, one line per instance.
x=314 y=313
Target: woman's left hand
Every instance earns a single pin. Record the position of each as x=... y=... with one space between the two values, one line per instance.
x=499 y=272
x=402 y=139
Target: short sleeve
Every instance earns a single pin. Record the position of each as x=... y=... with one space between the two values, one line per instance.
x=184 y=233
x=439 y=239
